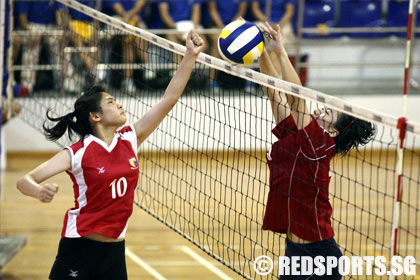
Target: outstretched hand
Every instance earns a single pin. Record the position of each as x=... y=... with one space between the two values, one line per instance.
x=194 y=44
x=272 y=37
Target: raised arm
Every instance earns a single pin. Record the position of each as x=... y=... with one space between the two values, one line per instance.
x=151 y=120
x=31 y=183
x=297 y=105
x=278 y=100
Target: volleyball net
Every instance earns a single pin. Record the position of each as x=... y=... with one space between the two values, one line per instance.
x=203 y=172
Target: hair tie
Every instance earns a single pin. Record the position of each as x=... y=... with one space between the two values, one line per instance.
x=347 y=126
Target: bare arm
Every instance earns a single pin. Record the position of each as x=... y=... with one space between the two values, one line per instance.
x=151 y=120
x=278 y=101
x=297 y=105
x=165 y=16
x=30 y=184
x=214 y=14
x=119 y=9
x=287 y=17
x=196 y=15
x=138 y=7
x=255 y=7
x=241 y=10
x=23 y=21
x=63 y=18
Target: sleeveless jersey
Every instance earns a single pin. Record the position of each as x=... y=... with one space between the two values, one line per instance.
x=104 y=181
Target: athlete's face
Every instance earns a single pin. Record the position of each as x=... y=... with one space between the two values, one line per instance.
x=327 y=118
x=112 y=111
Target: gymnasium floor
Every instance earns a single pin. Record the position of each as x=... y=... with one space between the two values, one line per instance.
x=165 y=251
x=155 y=252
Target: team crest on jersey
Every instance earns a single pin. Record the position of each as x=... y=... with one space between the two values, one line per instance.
x=133 y=163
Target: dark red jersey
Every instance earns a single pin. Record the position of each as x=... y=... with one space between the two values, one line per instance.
x=299 y=165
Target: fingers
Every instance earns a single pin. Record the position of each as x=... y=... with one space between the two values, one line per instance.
x=278 y=29
x=265 y=32
x=197 y=40
x=190 y=35
x=262 y=27
x=47 y=192
x=270 y=29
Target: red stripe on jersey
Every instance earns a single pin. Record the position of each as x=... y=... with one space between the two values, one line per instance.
x=76 y=146
x=125 y=129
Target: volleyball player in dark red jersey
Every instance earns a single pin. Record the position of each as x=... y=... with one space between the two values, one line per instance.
x=298 y=202
x=104 y=170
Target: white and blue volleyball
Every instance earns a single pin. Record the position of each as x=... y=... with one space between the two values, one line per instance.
x=241 y=42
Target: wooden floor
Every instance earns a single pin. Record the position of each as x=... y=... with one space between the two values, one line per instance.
x=165 y=251
x=155 y=252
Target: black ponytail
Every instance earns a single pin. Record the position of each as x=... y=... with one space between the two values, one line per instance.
x=353 y=132
x=77 y=121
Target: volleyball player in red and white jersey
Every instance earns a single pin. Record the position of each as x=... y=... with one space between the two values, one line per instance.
x=298 y=202
x=104 y=170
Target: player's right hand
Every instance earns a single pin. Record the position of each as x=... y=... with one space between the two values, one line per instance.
x=47 y=192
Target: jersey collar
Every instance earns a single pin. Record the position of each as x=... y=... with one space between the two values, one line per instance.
x=102 y=143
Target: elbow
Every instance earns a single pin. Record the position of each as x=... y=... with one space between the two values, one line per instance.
x=20 y=183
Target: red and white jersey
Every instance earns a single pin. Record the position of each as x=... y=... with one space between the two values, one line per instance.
x=299 y=165
x=104 y=181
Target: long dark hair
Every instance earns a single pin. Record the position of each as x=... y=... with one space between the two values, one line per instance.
x=77 y=121
x=353 y=132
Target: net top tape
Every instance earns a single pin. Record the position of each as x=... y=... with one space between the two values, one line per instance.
x=249 y=74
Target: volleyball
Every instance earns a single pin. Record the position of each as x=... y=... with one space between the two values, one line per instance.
x=241 y=42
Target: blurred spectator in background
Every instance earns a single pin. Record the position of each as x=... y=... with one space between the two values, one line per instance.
x=39 y=17
x=131 y=12
x=281 y=13
x=82 y=35
x=223 y=12
x=182 y=15
x=14 y=110
x=8 y=108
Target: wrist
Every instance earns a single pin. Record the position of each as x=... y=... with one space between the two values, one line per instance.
x=282 y=52
x=190 y=56
x=38 y=192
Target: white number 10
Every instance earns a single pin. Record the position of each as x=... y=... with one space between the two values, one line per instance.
x=118 y=187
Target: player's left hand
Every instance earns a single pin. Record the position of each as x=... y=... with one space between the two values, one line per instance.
x=194 y=44
x=273 y=38
x=47 y=191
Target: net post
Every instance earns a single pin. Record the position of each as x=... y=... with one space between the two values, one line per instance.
x=401 y=126
x=2 y=32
